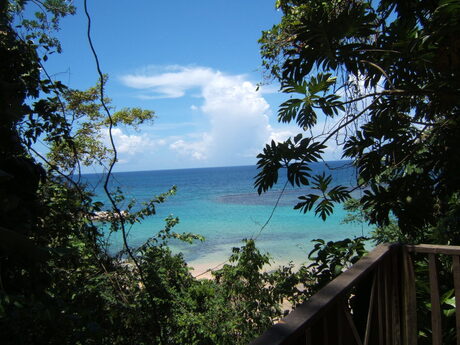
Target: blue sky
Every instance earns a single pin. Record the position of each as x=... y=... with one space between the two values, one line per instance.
x=195 y=63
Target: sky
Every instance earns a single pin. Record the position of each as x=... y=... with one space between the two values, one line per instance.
x=195 y=63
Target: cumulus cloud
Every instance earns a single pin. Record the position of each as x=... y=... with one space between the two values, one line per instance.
x=238 y=114
x=195 y=150
x=133 y=144
x=283 y=134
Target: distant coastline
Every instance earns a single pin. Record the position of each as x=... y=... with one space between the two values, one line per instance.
x=335 y=162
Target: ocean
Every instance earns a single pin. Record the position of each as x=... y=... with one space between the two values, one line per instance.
x=222 y=205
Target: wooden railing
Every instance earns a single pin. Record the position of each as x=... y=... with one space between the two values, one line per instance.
x=374 y=302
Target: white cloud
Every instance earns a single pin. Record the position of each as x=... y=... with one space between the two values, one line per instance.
x=195 y=150
x=133 y=144
x=171 y=83
x=282 y=134
x=238 y=114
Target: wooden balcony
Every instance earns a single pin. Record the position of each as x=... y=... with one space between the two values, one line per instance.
x=374 y=302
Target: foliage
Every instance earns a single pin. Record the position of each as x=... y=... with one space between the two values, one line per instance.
x=58 y=285
x=385 y=75
x=392 y=233
x=89 y=124
x=36 y=30
x=389 y=233
x=447 y=299
x=332 y=258
x=252 y=294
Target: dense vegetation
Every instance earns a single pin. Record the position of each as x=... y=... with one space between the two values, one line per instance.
x=58 y=285
x=391 y=69
x=385 y=77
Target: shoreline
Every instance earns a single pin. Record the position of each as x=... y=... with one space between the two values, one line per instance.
x=203 y=270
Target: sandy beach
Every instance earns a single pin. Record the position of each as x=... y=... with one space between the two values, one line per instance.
x=202 y=270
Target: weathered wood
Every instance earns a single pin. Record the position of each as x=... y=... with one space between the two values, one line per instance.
x=308 y=336
x=395 y=299
x=340 y=326
x=433 y=249
x=409 y=306
x=436 y=327
x=325 y=332
x=456 y=274
x=293 y=326
x=391 y=317
x=387 y=301
x=380 y=302
x=352 y=326
x=367 y=334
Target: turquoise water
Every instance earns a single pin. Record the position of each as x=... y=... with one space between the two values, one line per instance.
x=222 y=205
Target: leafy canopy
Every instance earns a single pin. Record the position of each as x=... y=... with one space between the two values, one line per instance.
x=385 y=76
x=58 y=283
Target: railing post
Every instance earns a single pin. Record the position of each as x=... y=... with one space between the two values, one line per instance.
x=456 y=273
x=370 y=311
x=305 y=324
x=435 y=303
x=409 y=307
x=396 y=295
x=308 y=336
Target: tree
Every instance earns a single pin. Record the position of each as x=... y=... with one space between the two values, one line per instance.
x=21 y=84
x=386 y=75
x=88 y=125
x=58 y=285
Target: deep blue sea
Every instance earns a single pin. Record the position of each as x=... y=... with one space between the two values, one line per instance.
x=222 y=205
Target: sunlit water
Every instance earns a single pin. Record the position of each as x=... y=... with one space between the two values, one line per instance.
x=222 y=205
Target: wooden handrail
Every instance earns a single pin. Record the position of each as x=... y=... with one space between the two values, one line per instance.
x=391 y=316
x=291 y=327
x=433 y=249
